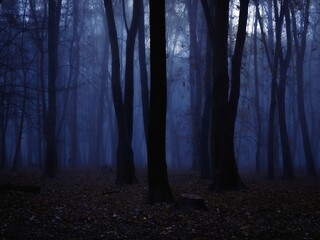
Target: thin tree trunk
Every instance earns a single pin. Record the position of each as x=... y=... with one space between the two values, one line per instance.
x=195 y=83
x=16 y=157
x=300 y=54
x=74 y=68
x=273 y=66
x=257 y=98
x=205 y=123
x=129 y=71
x=284 y=64
x=143 y=70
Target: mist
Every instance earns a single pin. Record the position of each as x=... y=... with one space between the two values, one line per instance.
x=160 y=119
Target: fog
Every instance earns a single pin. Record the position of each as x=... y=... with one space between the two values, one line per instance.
x=86 y=125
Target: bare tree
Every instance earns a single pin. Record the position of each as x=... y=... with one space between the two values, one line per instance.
x=159 y=188
x=125 y=163
x=224 y=106
x=51 y=161
x=300 y=40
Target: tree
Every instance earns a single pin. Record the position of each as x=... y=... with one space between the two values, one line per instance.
x=40 y=33
x=257 y=96
x=224 y=107
x=300 y=47
x=74 y=59
x=143 y=70
x=284 y=60
x=273 y=66
x=129 y=79
x=125 y=164
x=205 y=121
x=51 y=161
x=195 y=83
x=159 y=188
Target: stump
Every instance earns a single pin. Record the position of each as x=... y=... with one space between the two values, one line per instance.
x=190 y=201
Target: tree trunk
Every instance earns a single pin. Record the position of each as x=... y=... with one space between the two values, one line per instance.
x=284 y=64
x=22 y=119
x=129 y=71
x=74 y=68
x=205 y=123
x=159 y=188
x=195 y=82
x=273 y=66
x=51 y=161
x=225 y=171
x=257 y=98
x=40 y=34
x=125 y=165
x=236 y=64
x=300 y=54
x=143 y=70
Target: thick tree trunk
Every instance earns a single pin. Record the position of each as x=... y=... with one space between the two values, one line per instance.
x=159 y=188
x=51 y=161
x=225 y=172
x=125 y=165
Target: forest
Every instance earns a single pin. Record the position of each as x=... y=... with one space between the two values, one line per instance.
x=164 y=119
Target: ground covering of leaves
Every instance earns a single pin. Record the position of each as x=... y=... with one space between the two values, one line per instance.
x=86 y=204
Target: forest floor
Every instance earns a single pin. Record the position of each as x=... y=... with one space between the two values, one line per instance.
x=86 y=204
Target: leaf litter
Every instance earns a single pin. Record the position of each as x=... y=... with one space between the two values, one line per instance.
x=86 y=204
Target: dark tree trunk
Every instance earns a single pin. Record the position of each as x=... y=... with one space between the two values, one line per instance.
x=225 y=171
x=51 y=161
x=195 y=82
x=3 y=124
x=143 y=70
x=3 y=153
x=284 y=64
x=101 y=103
x=273 y=66
x=125 y=165
x=206 y=172
x=159 y=188
x=236 y=65
x=129 y=79
x=4 y=118
x=257 y=97
x=75 y=63
x=300 y=54
x=17 y=153
x=40 y=34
